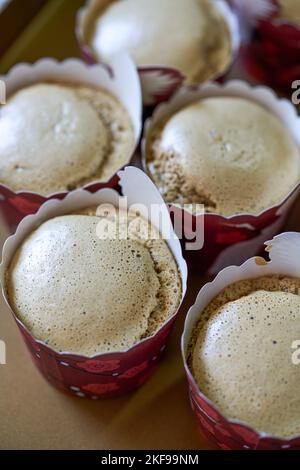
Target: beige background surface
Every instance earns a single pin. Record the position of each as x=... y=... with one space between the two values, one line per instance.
x=33 y=415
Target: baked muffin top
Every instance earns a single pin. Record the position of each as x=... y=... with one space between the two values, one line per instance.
x=79 y=290
x=57 y=137
x=241 y=353
x=290 y=10
x=189 y=35
x=227 y=153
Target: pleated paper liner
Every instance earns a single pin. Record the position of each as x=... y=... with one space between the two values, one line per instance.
x=228 y=240
x=120 y=79
x=284 y=252
x=112 y=374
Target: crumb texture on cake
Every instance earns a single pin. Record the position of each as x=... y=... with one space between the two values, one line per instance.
x=241 y=353
x=79 y=290
x=227 y=153
x=190 y=35
x=57 y=137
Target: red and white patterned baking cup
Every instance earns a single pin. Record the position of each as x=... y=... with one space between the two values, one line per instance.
x=284 y=252
x=273 y=55
x=120 y=79
x=159 y=82
x=104 y=375
x=230 y=240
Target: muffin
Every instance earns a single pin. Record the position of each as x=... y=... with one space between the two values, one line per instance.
x=58 y=137
x=191 y=36
x=94 y=282
x=227 y=153
x=290 y=11
x=241 y=353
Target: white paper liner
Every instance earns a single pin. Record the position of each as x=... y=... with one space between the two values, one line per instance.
x=131 y=180
x=231 y=255
x=284 y=253
x=119 y=78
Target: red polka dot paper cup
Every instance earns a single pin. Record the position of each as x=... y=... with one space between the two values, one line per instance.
x=159 y=81
x=273 y=55
x=227 y=240
x=226 y=433
x=105 y=375
x=110 y=374
x=120 y=79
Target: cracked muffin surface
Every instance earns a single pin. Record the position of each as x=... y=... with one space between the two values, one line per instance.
x=227 y=153
x=80 y=288
x=58 y=137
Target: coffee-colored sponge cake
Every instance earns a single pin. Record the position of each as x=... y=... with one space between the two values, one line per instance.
x=79 y=290
x=227 y=153
x=57 y=137
x=242 y=354
x=189 y=35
